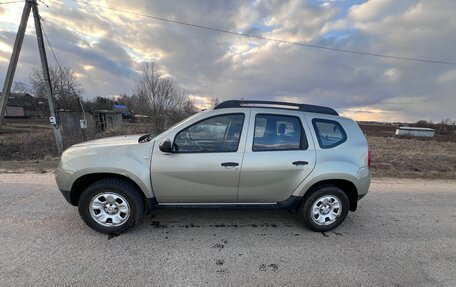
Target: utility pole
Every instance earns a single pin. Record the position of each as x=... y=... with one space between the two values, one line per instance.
x=13 y=61
x=47 y=78
x=31 y=5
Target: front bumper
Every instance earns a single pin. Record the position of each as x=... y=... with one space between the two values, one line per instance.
x=67 y=195
x=63 y=179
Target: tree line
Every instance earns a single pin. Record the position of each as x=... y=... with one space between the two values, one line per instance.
x=157 y=97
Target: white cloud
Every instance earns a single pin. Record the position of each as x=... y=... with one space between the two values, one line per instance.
x=448 y=77
x=209 y=64
x=392 y=75
x=370 y=10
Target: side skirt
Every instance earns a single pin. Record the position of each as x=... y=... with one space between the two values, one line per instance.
x=291 y=203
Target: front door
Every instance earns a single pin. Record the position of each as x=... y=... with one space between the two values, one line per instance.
x=278 y=157
x=205 y=164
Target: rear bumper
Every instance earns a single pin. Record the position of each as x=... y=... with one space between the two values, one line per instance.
x=364 y=180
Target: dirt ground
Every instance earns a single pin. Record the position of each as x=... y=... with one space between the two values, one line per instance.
x=27 y=146
x=402 y=234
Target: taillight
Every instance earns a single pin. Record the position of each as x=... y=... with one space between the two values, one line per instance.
x=369 y=158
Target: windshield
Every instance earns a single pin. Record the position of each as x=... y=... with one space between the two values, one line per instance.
x=151 y=136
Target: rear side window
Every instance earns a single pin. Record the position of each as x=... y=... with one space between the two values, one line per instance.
x=277 y=132
x=329 y=133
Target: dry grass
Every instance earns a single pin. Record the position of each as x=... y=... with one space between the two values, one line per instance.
x=414 y=158
x=45 y=165
x=22 y=141
x=129 y=129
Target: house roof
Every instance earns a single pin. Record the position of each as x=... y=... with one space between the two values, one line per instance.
x=13 y=102
x=106 y=112
x=17 y=99
x=416 y=129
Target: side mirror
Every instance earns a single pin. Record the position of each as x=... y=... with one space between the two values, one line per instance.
x=166 y=146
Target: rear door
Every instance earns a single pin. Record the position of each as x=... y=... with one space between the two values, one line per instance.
x=279 y=155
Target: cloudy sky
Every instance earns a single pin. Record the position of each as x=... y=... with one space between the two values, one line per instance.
x=106 y=49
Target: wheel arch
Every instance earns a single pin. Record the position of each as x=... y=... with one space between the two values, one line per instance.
x=81 y=183
x=346 y=185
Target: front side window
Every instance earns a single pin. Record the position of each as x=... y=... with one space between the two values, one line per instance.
x=277 y=132
x=329 y=133
x=215 y=134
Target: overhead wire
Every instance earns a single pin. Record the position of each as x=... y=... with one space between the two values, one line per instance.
x=49 y=43
x=393 y=57
x=60 y=67
x=42 y=2
x=55 y=59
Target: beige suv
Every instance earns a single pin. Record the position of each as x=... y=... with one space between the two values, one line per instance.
x=241 y=154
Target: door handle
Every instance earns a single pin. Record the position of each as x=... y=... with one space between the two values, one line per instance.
x=225 y=164
x=300 y=162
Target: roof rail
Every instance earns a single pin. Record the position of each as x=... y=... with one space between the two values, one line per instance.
x=276 y=105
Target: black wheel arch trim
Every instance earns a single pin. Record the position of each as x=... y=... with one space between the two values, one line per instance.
x=347 y=186
x=80 y=184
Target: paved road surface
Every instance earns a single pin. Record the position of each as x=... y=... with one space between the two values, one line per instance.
x=403 y=234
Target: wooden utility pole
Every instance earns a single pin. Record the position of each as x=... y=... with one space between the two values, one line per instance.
x=31 y=5
x=13 y=61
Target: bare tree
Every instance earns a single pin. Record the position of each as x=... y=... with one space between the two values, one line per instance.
x=215 y=102
x=21 y=87
x=64 y=84
x=100 y=103
x=160 y=98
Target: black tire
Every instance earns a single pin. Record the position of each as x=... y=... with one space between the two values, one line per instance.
x=116 y=186
x=305 y=209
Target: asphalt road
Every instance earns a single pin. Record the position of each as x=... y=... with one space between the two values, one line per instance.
x=403 y=234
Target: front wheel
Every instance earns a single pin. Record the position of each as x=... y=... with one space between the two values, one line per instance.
x=325 y=208
x=111 y=205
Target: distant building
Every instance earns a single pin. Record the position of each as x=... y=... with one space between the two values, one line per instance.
x=415 y=132
x=97 y=121
x=14 y=108
x=127 y=114
x=107 y=120
x=24 y=105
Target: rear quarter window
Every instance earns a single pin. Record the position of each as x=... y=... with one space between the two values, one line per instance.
x=329 y=133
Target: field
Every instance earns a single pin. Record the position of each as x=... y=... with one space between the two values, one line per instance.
x=27 y=145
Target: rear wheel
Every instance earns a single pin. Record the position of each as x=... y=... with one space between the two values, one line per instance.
x=111 y=205
x=325 y=208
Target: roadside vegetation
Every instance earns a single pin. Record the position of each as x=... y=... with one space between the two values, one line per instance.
x=157 y=97
x=27 y=145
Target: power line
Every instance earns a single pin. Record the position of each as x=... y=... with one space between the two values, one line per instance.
x=49 y=44
x=42 y=2
x=61 y=71
x=271 y=39
x=52 y=51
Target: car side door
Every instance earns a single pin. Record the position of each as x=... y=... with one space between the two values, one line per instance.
x=205 y=163
x=279 y=155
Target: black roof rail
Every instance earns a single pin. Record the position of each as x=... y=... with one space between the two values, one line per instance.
x=276 y=105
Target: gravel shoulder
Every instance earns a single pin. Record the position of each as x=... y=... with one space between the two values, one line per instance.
x=401 y=235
